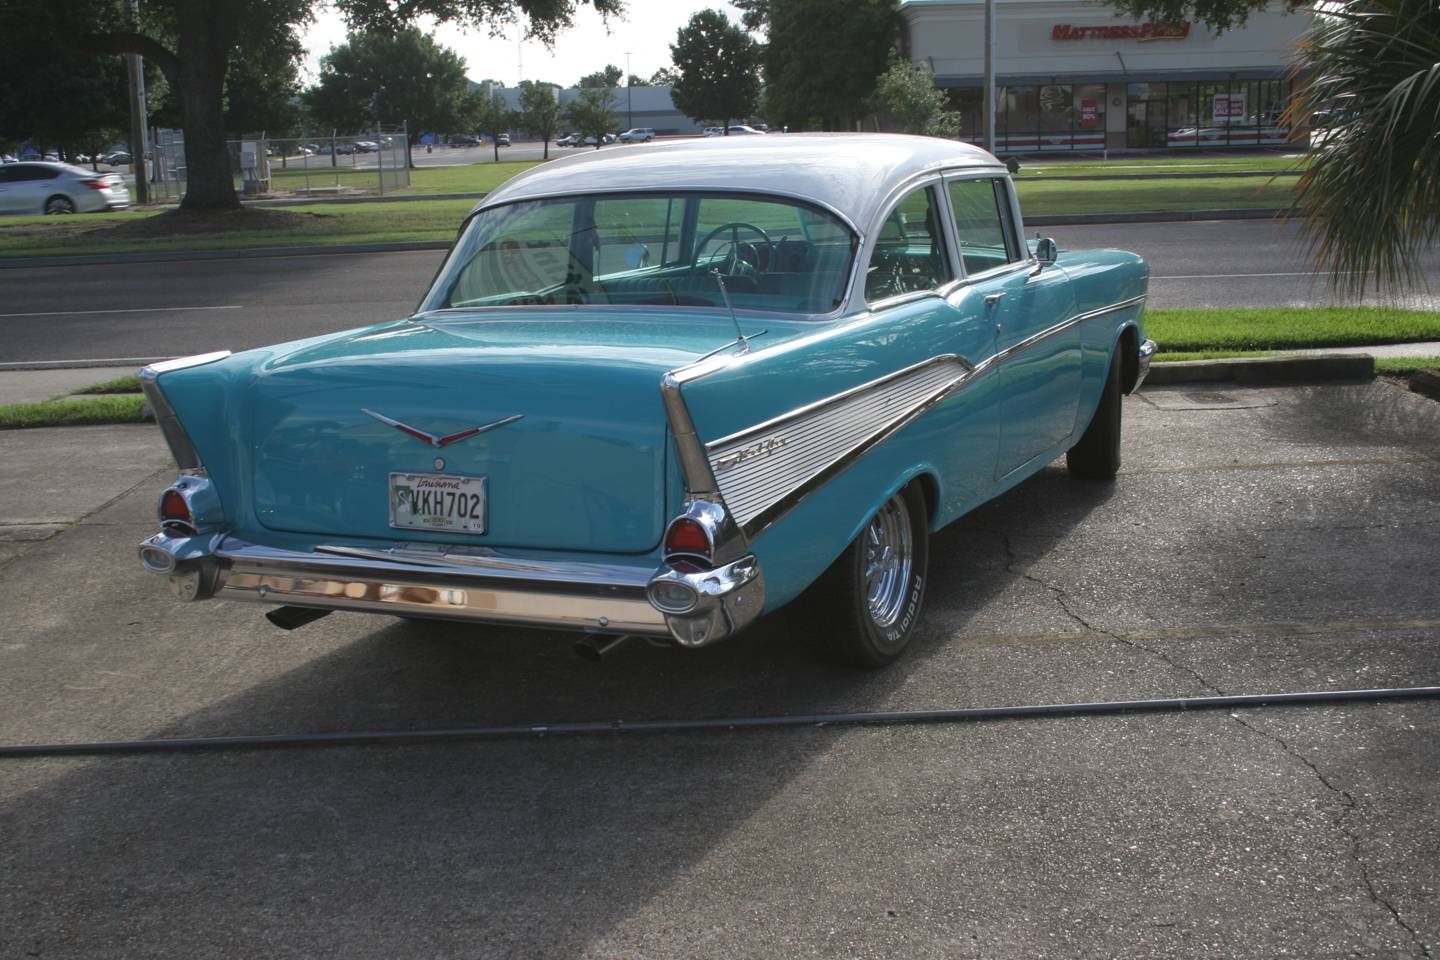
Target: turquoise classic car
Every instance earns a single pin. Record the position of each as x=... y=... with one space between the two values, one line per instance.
x=663 y=392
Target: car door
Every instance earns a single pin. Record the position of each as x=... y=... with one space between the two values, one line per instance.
x=1038 y=358
x=9 y=192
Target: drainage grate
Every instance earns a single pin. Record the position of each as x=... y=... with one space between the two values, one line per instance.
x=1210 y=398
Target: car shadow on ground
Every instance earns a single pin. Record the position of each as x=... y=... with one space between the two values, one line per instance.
x=525 y=847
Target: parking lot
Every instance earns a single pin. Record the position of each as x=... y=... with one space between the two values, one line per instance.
x=1257 y=540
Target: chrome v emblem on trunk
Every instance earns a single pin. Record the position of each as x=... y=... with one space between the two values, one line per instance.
x=431 y=438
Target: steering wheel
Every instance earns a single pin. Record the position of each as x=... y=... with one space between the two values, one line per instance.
x=733 y=259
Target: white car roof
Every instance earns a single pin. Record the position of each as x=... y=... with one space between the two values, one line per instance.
x=849 y=173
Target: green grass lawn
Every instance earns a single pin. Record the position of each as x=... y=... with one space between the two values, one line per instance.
x=334 y=224
x=1209 y=163
x=72 y=413
x=130 y=383
x=1286 y=328
x=1403 y=366
x=1056 y=198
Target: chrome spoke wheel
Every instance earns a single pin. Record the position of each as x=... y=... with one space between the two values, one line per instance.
x=889 y=554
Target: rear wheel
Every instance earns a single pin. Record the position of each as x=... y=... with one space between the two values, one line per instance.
x=868 y=602
x=57 y=205
x=1097 y=454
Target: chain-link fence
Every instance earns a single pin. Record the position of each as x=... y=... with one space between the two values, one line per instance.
x=329 y=165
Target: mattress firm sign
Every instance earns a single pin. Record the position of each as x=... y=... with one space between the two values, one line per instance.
x=1231 y=108
x=1144 y=32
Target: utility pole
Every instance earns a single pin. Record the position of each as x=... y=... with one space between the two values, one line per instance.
x=990 y=75
x=629 y=98
x=138 y=133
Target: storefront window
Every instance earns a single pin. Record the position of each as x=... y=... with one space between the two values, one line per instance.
x=967 y=102
x=1056 y=117
x=1089 y=112
x=1020 y=116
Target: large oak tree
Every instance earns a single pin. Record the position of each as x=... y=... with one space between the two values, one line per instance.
x=192 y=41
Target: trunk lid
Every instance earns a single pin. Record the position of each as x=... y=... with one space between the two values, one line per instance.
x=582 y=468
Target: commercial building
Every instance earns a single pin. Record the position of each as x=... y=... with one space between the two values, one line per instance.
x=648 y=106
x=1070 y=75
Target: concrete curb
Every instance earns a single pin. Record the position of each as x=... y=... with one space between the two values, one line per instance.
x=255 y=253
x=134 y=363
x=1161 y=216
x=1426 y=382
x=1021 y=178
x=1325 y=368
x=322 y=201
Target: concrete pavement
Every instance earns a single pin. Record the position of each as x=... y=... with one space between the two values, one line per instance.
x=1283 y=539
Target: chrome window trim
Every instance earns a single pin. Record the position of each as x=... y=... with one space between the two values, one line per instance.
x=897 y=195
x=1026 y=259
x=176 y=438
x=842 y=307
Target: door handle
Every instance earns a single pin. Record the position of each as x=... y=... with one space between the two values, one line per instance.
x=993 y=298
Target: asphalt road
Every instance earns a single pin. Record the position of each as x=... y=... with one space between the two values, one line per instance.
x=174 y=308
x=1257 y=541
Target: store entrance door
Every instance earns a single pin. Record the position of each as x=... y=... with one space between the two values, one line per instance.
x=1145 y=116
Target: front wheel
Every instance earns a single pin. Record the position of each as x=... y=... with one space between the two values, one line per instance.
x=1096 y=456
x=868 y=602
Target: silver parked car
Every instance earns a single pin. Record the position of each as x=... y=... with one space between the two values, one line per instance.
x=40 y=187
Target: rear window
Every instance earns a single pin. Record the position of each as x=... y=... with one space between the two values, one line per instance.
x=772 y=254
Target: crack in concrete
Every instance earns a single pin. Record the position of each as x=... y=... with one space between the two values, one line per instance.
x=1349 y=805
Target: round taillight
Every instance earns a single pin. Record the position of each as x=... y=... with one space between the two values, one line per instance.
x=687 y=537
x=174 y=509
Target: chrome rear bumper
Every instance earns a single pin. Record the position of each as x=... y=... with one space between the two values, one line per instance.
x=426 y=580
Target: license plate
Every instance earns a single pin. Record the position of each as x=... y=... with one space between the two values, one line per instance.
x=437 y=501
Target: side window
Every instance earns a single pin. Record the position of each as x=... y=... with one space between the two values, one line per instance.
x=636 y=232
x=982 y=224
x=909 y=250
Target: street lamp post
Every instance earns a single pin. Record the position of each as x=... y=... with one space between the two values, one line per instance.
x=629 y=98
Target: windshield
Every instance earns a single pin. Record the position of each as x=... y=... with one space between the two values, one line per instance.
x=773 y=254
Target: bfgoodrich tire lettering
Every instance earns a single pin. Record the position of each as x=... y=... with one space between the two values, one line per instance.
x=867 y=604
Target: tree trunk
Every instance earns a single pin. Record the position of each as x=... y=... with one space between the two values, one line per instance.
x=547 y=148
x=205 y=29
x=497 y=149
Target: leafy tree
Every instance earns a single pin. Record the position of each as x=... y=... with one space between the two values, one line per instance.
x=634 y=80
x=540 y=111
x=1371 y=195
x=192 y=41
x=1219 y=15
x=907 y=97
x=663 y=77
x=827 y=75
x=494 y=117
x=261 y=90
x=754 y=14
x=609 y=77
x=57 y=96
x=383 y=76
x=719 y=65
x=591 y=113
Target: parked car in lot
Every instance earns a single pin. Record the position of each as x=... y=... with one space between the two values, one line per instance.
x=567 y=140
x=637 y=135
x=663 y=394
x=741 y=129
x=117 y=158
x=714 y=131
x=56 y=188
x=503 y=140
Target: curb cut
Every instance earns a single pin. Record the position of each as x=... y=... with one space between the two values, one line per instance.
x=255 y=253
x=1262 y=371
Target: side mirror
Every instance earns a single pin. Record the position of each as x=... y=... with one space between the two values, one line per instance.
x=1045 y=251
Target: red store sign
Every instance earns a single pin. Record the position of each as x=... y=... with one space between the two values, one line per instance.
x=1144 y=32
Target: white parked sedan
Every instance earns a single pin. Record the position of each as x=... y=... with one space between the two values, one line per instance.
x=39 y=187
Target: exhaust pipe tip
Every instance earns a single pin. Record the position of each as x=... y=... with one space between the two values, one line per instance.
x=594 y=647
x=288 y=618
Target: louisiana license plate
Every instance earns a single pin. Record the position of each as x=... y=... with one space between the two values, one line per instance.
x=439 y=502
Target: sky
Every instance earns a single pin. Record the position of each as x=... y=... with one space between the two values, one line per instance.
x=646 y=29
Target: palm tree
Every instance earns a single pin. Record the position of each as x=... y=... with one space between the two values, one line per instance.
x=1371 y=195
